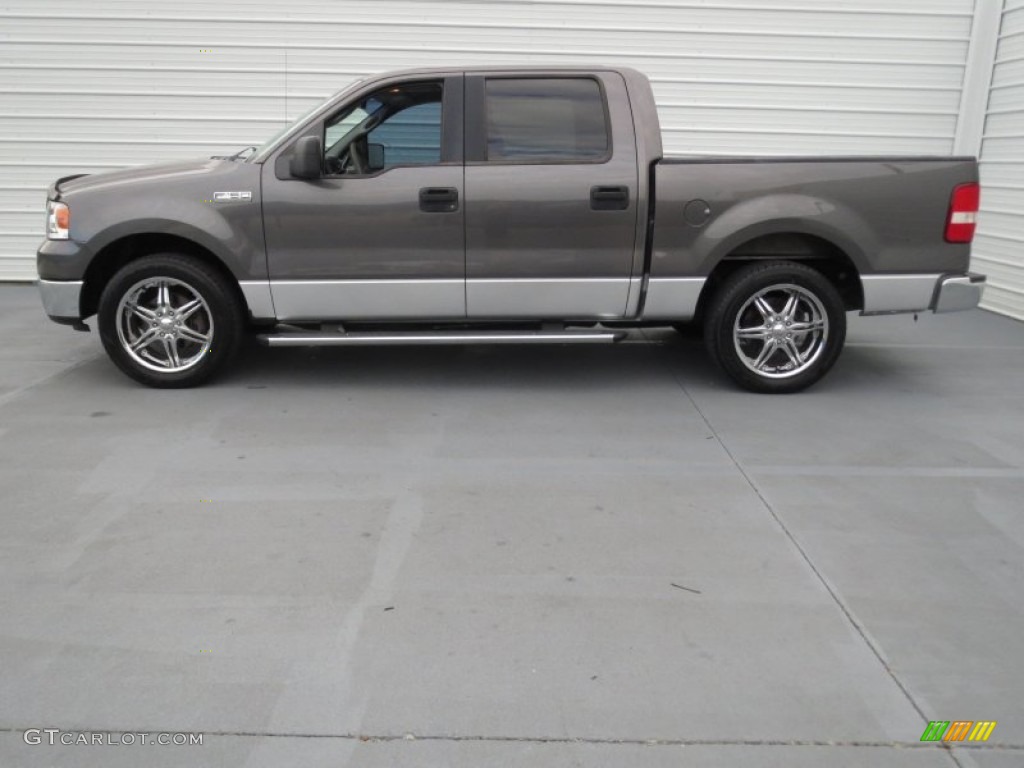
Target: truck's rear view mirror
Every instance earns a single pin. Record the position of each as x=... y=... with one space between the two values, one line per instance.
x=307 y=161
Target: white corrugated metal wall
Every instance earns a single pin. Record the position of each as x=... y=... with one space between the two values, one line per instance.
x=999 y=248
x=99 y=85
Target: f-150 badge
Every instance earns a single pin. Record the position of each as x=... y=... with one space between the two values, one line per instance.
x=232 y=197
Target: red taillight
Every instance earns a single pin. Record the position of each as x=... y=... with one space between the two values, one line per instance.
x=963 y=213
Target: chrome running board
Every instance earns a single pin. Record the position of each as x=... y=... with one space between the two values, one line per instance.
x=330 y=339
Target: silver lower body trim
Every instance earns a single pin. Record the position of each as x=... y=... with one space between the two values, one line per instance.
x=315 y=300
x=462 y=337
x=672 y=298
x=61 y=297
x=636 y=287
x=893 y=294
x=959 y=292
x=543 y=298
x=259 y=298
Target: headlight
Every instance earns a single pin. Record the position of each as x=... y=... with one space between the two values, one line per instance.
x=58 y=220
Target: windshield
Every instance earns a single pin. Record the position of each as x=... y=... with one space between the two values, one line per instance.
x=301 y=118
x=288 y=127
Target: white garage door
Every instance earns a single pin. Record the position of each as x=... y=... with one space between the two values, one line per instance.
x=999 y=248
x=100 y=85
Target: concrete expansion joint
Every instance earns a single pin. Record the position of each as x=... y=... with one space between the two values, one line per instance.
x=595 y=740
x=856 y=625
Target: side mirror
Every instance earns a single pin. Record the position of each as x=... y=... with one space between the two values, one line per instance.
x=307 y=159
x=375 y=157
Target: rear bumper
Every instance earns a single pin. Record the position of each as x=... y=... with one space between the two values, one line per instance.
x=957 y=292
x=898 y=293
x=61 y=299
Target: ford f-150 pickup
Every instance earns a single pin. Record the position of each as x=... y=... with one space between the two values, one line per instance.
x=511 y=205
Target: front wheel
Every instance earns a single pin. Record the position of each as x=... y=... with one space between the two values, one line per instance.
x=776 y=327
x=169 y=320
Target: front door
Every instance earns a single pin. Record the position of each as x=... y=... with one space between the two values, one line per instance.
x=551 y=184
x=381 y=234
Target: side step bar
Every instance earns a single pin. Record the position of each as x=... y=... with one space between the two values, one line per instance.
x=330 y=339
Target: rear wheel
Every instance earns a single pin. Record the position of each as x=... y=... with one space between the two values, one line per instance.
x=776 y=327
x=169 y=320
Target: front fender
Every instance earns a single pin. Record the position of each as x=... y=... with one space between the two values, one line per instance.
x=239 y=253
x=180 y=203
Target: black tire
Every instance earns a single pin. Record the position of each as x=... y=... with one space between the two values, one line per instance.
x=217 y=318
x=787 y=352
x=691 y=330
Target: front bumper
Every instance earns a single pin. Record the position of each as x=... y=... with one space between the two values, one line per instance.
x=61 y=299
x=957 y=292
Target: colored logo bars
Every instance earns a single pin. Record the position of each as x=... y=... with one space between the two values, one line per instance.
x=958 y=730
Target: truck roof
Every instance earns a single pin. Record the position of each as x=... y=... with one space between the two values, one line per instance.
x=641 y=97
x=511 y=68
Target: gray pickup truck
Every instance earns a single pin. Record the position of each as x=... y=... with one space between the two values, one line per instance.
x=507 y=205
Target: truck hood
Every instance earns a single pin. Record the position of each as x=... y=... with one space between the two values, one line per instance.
x=139 y=174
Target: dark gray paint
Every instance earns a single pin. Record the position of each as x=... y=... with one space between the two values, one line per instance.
x=887 y=214
x=173 y=198
x=363 y=227
x=534 y=220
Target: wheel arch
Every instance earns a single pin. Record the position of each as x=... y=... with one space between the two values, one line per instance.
x=824 y=254
x=128 y=248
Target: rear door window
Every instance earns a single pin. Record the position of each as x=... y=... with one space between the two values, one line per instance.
x=547 y=120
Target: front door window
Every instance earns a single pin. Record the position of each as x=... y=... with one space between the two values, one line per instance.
x=396 y=126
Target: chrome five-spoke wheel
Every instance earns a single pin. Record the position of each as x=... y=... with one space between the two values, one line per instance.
x=164 y=324
x=781 y=331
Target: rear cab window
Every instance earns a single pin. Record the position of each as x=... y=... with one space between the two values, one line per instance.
x=541 y=120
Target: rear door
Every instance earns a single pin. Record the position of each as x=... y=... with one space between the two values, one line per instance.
x=551 y=196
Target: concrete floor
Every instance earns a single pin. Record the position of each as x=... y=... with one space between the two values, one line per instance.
x=470 y=556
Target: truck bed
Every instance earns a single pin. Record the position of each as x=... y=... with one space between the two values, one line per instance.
x=887 y=214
